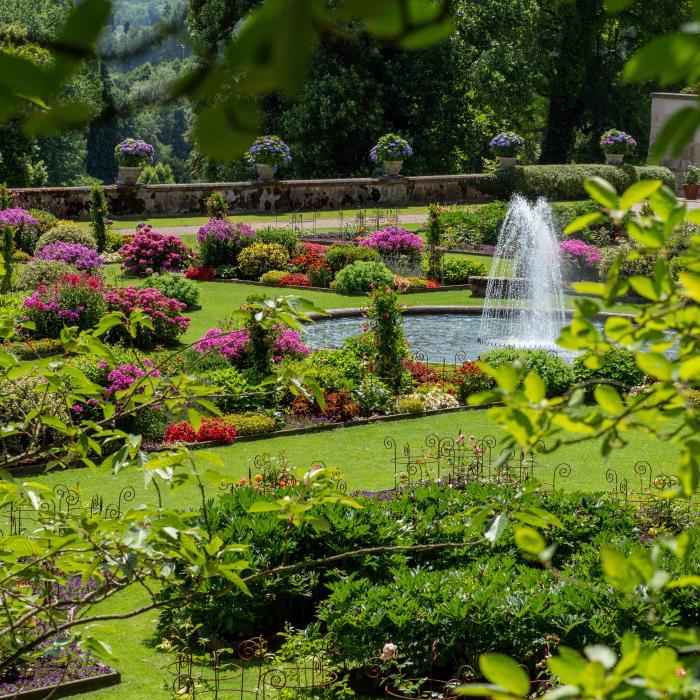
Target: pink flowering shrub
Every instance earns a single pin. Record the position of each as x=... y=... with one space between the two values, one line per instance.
x=235 y=347
x=165 y=313
x=151 y=252
x=394 y=240
x=74 y=300
x=580 y=258
x=220 y=241
x=24 y=226
x=123 y=376
x=80 y=256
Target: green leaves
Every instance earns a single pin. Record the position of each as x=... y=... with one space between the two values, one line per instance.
x=506 y=673
x=602 y=192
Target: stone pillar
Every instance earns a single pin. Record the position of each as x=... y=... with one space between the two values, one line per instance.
x=663 y=106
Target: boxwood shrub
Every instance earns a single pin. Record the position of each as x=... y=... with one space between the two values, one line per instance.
x=359 y=277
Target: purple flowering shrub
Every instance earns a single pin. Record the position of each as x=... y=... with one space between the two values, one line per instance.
x=80 y=256
x=269 y=150
x=394 y=240
x=390 y=147
x=164 y=313
x=122 y=377
x=615 y=141
x=133 y=153
x=220 y=241
x=151 y=252
x=24 y=226
x=235 y=347
x=579 y=258
x=507 y=144
x=75 y=300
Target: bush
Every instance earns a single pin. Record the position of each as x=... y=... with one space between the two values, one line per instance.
x=252 y=423
x=45 y=272
x=216 y=205
x=174 y=286
x=617 y=364
x=45 y=220
x=393 y=241
x=286 y=237
x=220 y=241
x=70 y=233
x=74 y=300
x=470 y=379
x=557 y=374
x=336 y=369
x=459 y=270
x=409 y=404
x=79 y=256
x=295 y=279
x=260 y=258
x=360 y=277
x=159 y=174
x=273 y=277
x=579 y=260
x=642 y=265
x=151 y=252
x=340 y=407
x=211 y=429
x=472 y=226
x=373 y=396
x=234 y=383
x=339 y=256
x=24 y=226
x=434 y=398
x=164 y=313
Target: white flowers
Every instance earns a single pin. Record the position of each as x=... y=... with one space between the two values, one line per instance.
x=388 y=652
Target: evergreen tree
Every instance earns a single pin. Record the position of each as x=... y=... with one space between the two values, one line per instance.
x=103 y=135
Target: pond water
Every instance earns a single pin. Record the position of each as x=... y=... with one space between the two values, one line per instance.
x=451 y=338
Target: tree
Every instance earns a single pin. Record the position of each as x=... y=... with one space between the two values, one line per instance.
x=103 y=135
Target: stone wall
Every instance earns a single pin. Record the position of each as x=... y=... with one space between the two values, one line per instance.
x=259 y=196
x=663 y=106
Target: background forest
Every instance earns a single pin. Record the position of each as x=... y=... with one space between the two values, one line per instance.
x=548 y=69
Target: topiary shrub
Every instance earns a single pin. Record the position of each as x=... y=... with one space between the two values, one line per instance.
x=273 y=277
x=68 y=232
x=459 y=270
x=360 y=277
x=339 y=256
x=259 y=258
x=617 y=364
x=175 y=286
x=286 y=237
x=557 y=374
x=252 y=423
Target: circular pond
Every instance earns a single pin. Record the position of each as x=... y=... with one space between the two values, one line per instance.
x=449 y=337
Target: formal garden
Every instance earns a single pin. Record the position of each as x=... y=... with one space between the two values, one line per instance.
x=409 y=450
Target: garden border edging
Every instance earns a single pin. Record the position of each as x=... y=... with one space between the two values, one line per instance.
x=81 y=685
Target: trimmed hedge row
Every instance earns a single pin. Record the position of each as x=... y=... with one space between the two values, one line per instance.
x=565 y=182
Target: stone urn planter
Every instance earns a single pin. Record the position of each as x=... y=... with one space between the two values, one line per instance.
x=129 y=175
x=265 y=172
x=507 y=161
x=392 y=168
x=614 y=158
x=691 y=190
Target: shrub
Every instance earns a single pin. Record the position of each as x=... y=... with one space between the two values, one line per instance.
x=151 y=252
x=580 y=260
x=45 y=272
x=642 y=265
x=216 y=205
x=286 y=237
x=67 y=232
x=273 y=277
x=211 y=429
x=336 y=369
x=340 y=255
x=435 y=399
x=260 y=258
x=122 y=377
x=409 y=404
x=393 y=241
x=386 y=327
x=313 y=264
x=617 y=364
x=340 y=407
x=45 y=220
x=73 y=300
x=556 y=373
x=252 y=423
x=220 y=241
x=361 y=276
x=24 y=226
x=164 y=313
x=226 y=272
x=75 y=254
x=421 y=372
x=459 y=270
x=201 y=272
x=236 y=392
x=373 y=396
x=473 y=226
x=470 y=379
x=175 y=286
x=99 y=214
x=295 y=279
x=390 y=147
x=159 y=174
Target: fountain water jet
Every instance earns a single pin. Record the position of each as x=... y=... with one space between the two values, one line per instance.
x=524 y=305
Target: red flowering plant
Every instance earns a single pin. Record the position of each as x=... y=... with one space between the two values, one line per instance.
x=313 y=264
x=74 y=300
x=421 y=372
x=151 y=252
x=163 y=313
x=295 y=279
x=205 y=273
x=469 y=379
x=210 y=430
x=340 y=407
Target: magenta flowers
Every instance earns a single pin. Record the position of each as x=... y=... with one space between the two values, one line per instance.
x=234 y=346
x=80 y=256
x=122 y=377
x=580 y=257
x=220 y=241
x=151 y=252
x=25 y=226
x=394 y=240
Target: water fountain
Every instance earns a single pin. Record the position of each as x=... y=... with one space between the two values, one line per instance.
x=524 y=304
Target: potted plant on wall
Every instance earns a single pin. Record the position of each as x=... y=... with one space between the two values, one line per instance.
x=267 y=154
x=691 y=181
x=506 y=147
x=391 y=150
x=132 y=155
x=616 y=145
